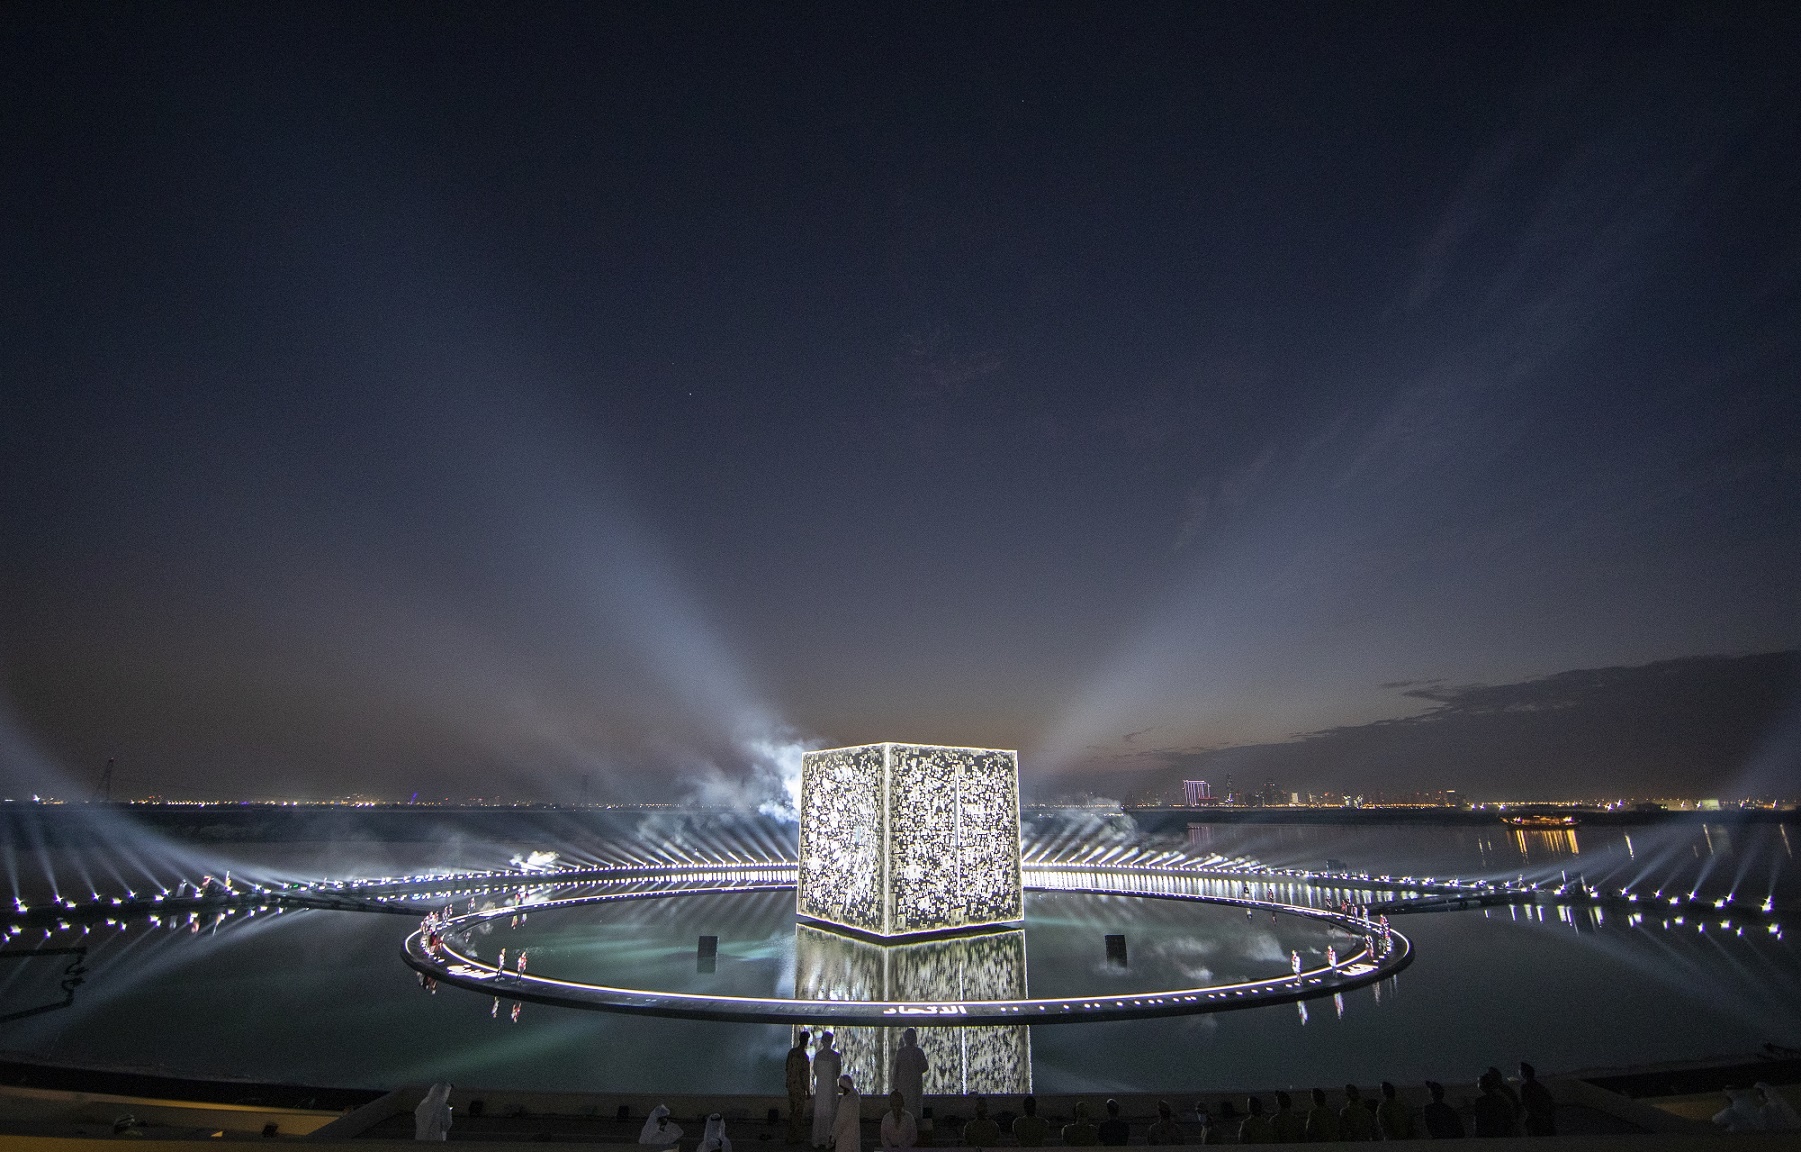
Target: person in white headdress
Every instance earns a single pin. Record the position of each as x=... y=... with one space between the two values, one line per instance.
x=1777 y=1113
x=910 y=1072
x=714 y=1139
x=826 y=1064
x=658 y=1130
x=847 y=1118
x=1743 y=1112
x=431 y=1119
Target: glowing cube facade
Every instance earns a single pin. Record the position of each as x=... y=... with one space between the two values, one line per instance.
x=907 y=839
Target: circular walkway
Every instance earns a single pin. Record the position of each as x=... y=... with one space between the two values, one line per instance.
x=1387 y=953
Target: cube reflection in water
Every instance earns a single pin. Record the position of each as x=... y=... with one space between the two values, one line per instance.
x=984 y=1058
x=907 y=839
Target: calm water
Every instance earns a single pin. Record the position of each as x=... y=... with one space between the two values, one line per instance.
x=323 y=997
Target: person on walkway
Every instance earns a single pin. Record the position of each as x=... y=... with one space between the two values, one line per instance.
x=1030 y=1129
x=910 y=1072
x=1536 y=1102
x=1287 y=1125
x=714 y=1138
x=1355 y=1120
x=658 y=1129
x=1079 y=1133
x=1393 y=1117
x=1492 y=1111
x=1322 y=1122
x=797 y=1077
x=899 y=1129
x=826 y=1067
x=847 y=1117
x=1256 y=1128
x=431 y=1119
x=1441 y=1120
x=982 y=1132
x=1114 y=1132
x=1165 y=1130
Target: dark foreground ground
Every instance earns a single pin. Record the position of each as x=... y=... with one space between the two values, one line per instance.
x=42 y=1104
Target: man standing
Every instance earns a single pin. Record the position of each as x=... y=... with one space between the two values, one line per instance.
x=847 y=1115
x=910 y=1072
x=1535 y=1099
x=826 y=1069
x=799 y=1079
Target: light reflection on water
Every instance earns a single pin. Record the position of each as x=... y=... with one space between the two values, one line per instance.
x=322 y=997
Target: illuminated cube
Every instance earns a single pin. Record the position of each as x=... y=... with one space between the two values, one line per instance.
x=905 y=839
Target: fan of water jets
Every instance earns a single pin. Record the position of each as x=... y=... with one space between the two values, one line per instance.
x=104 y=856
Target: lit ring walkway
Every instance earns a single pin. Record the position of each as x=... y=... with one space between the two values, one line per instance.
x=1361 y=967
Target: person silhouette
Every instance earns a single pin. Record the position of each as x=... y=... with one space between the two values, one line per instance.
x=797 y=1074
x=1393 y=1116
x=826 y=1068
x=1355 y=1120
x=1536 y=1102
x=1322 y=1122
x=1256 y=1128
x=1441 y=1120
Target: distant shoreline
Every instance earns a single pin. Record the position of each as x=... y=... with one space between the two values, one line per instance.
x=401 y=823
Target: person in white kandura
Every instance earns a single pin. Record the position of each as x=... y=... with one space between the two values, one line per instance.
x=898 y=1127
x=431 y=1119
x=910 y=1069
x=826 y=1064
x=658 y=1129
x=714 y=1140
x=847 y=1118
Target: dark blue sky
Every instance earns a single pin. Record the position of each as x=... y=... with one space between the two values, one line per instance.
x=471 y=398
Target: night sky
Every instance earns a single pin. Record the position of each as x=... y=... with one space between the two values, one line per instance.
x=485 y=399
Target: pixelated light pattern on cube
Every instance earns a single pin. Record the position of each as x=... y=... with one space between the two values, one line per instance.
x=841 y=825
x=897 y=839
x=993 y=1059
